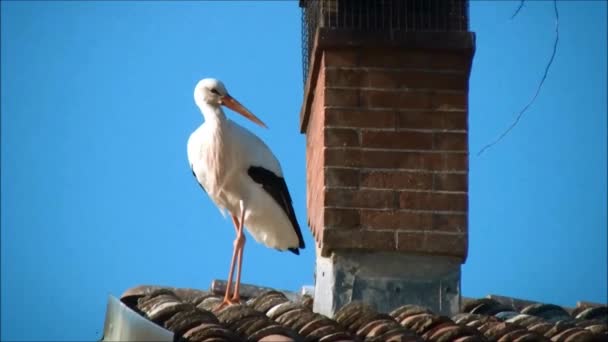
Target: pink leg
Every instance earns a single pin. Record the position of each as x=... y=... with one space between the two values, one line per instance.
x=235 y=252
x=240 y=246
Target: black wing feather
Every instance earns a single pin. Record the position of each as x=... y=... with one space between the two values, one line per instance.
x=276 y=187
x=197 y=182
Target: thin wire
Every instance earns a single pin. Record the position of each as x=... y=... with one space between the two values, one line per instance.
x=521 y=5
x=521 y=113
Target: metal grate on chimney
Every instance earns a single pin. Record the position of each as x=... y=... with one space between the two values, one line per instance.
x=381 y=16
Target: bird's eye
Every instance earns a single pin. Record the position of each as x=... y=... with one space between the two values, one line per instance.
x=215 y=91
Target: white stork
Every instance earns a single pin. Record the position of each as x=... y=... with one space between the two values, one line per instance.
x=242 y=176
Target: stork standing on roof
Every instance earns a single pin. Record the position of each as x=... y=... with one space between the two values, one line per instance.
x=241 y=176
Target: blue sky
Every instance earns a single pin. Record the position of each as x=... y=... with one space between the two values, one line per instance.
x=97 y=195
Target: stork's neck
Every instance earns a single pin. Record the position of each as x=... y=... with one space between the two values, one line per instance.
x=213 y=113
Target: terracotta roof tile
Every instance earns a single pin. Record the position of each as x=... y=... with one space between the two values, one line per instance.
x=270 y=316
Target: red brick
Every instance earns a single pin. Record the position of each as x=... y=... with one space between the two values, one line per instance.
x=341 y=177
x=357 y=239
x=341 y=97
x=456 y=223
x=382 y=58
x=443 y=60
x=357 y=110
x=435 y=120
x=420 y=120
x=341 y=58
x=359 y=118
x=314 y=201
x=436 y=80
x=315 y=161
x=412 y=242
x=314 y=129
x=433 y=201
x=431 y=161
x=450 y=141
x=396 y=99
x=338 y=77
x=450 y=245
x=379 y=159
x=456 y=162
x=377 y=219
x=385 y=78
x=412 y=79
x=450 y=182
x=396 y=180
x=392 y=58
x=342 y=218
x=359 y=198
x=449 y=102
x=397 y=140
x=341 y=137
x=315 y=198
x=433 y=243
x=402 y=160
x=454 y=120
x=342 y=157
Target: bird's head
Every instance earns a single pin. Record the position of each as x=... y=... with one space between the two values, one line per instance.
x=212 y=92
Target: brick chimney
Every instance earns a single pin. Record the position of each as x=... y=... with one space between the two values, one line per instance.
x=385 y=116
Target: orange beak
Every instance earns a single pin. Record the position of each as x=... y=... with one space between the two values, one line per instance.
x=236 y=106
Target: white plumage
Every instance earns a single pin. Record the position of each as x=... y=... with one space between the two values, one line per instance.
x=238 y=171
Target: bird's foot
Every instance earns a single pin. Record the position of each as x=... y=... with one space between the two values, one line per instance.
x=236 y=298
x=227 y=302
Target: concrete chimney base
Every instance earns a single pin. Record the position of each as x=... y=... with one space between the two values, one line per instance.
x=387 y=280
